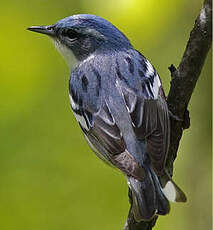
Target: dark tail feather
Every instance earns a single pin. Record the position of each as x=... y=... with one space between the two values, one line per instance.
x=162 y=203
x=151 y=196
x=148 y=198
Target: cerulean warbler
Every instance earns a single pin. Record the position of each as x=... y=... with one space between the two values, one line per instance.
x=117 y=97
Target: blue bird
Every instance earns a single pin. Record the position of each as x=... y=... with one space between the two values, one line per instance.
x=117 y=97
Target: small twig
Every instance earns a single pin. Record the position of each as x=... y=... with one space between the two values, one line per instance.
x=183 y=82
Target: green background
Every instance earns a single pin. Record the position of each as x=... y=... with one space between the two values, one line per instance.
x=49 y=178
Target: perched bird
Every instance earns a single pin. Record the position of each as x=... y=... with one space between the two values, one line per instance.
x=117 y=97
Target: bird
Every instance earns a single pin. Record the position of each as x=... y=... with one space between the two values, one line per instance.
x=117 y=98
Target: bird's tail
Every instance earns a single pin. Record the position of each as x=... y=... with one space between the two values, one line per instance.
x=151 y=196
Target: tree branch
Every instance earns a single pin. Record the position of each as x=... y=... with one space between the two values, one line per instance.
x=183 y=82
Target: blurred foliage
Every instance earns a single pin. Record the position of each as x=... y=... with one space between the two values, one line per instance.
x=49 y=178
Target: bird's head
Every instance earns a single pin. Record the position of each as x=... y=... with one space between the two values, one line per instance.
x=82 y=35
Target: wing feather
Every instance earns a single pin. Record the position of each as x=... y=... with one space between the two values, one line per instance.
x=150 y=120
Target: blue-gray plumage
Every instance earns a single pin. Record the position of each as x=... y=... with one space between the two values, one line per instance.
x=117 y=98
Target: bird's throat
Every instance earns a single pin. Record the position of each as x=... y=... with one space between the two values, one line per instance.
x=67 y=54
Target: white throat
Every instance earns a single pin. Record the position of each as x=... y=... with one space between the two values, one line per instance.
x=67 y=54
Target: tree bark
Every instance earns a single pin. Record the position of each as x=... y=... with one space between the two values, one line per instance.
x=183 y=82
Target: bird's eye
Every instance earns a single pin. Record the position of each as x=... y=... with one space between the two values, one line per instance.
x=72 y=35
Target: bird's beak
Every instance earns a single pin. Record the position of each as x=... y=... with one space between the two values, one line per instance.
x=48 y=30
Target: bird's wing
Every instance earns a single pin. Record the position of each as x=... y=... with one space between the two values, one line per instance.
x=146 y=104
x=99 y=127
x=143 y=96
x=150 y=121
x=106 y=140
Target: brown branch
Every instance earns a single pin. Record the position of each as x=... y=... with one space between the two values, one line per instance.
x=183 y=82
